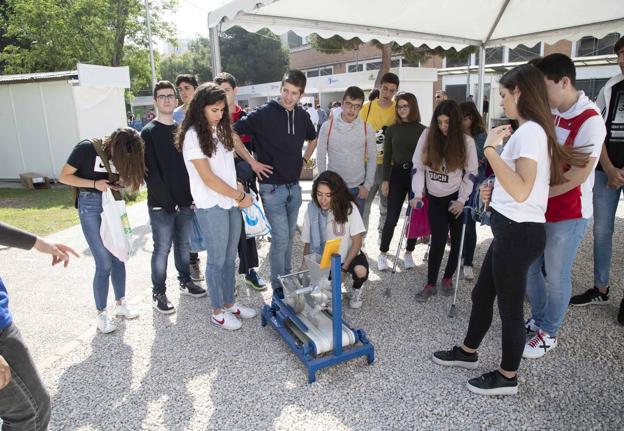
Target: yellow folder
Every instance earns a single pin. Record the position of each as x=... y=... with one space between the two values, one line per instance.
x=331 y=247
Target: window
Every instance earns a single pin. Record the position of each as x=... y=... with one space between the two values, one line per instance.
x=456 y=92
x=327 y=71
x=312 y=73
x=524 y=53
x=395 y=62
x=492 y=56
x=456 y=62
x=591 y=87
x=373 y=65
x=355 y=67
x=590 y=46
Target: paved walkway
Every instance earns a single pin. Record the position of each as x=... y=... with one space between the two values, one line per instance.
x=178 y=372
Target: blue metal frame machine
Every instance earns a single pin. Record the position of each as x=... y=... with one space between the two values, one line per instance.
x=282 y=318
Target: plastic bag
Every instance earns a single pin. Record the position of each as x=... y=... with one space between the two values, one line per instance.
x=419 y=221
x=256 y=223
x=115 y=229
x=196 y=238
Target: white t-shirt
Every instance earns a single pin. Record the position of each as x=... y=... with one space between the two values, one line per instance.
x=221 y=164
x=530 y=142
x=352 y=227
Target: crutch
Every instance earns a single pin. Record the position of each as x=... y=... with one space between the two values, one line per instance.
x=403 y=235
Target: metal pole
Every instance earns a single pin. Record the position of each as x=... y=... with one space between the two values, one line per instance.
x=215 y=51
x=149 y=39
x=481 y=79
x=468 y=77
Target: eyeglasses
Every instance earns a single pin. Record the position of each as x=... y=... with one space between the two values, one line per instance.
x=162 y=97
x=350 y=105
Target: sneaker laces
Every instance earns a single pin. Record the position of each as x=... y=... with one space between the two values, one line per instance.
x=533 y=342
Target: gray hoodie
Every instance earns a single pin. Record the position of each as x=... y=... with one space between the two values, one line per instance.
x=345 y=153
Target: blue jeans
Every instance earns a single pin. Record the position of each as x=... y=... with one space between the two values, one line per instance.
x=549 y=293
x=106 y=265
x=281 y=205
x=358 y=201
x=221 y=230
x=167 y=229
x=605 y=204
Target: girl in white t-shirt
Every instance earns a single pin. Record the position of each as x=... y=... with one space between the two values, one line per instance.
x=205 y=139
x=530 y=162
x=331 y=214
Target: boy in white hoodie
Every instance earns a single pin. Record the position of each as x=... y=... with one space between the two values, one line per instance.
x=578 y=124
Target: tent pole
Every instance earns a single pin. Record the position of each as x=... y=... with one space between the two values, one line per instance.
x=481 y=79
x=215 y=51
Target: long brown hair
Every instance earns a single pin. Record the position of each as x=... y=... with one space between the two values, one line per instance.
x=469 y=109
x=533 y=105
x=449 y=149
x=414 y=112
x=341 y=197
x=207 y=94
x=125 y=148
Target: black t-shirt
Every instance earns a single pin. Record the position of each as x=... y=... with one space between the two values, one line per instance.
x=614 y=140
x=88 y=164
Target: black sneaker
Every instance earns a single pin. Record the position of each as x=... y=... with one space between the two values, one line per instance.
x=162 y=304
x=621 y=313
x=493 y=383
x=456 y=357
x=196 y=273
x=590 y=297
x=255 y=281
x=191 y=289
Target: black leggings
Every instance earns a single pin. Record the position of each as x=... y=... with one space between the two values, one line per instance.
x=503 y=275
x=400 y=186
x=440 y=220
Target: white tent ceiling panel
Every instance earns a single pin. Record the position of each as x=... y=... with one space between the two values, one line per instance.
x=448 y=23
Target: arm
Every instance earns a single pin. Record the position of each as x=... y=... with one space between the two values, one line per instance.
x=218 y=185
x=470 y=171
x=67 y=176
x=371 y=153
x=356 y=245
x=387 y=158
x=321 y=150
x=615 y=175
x=418 y=177
x=14 y=237
x=311 y=138
x=310 y=149
x=575 y=176
x=261 y=170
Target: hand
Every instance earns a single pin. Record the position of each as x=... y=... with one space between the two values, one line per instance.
x=385 y=188
x=615 y=177
x=240 y=187
x=5 y=372
x=59 y=252
x=362 y=192
x=261 y=170
x=102 y=185
x=456 y=208
x=416 y=203
x=496 y=136
x=485 y=190
x=246 y=202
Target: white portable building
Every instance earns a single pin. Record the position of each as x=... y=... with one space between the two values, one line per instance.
x=44 y=115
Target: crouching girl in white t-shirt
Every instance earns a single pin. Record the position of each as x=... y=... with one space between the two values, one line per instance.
x=331 y=214
x=529 y=164
x=205 y=139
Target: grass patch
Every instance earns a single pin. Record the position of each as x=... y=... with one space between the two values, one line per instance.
x=43 y=211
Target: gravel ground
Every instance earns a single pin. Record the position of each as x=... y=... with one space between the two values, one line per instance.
x=177 y=372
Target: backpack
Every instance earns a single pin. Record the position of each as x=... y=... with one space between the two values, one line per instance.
x=98 y=147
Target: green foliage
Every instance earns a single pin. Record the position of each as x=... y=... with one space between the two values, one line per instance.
x=195 y=61
x=53 y=35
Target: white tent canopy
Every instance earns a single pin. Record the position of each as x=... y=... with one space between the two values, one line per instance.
x=445 y=23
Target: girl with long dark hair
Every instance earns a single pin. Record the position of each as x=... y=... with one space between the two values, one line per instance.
x=205 y=139
x=399 y=145
x=84 y=169
x=473 y=127
x=530 y=163
x=445 y=166
x=331 y=214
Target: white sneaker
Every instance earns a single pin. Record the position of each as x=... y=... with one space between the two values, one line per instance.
x=468 y=273
x=226 y=321
x=382 y=262
x=242 y=312
x=408 y=262
x=103 y=324
x=124 y=311
x=539 y=345
x=356 y=299
x=531 y=328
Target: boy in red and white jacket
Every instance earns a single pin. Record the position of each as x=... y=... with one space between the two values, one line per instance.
x=578 y=124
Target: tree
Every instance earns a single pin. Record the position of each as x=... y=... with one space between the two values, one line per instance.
x=52 y=35
x=195 y=61
x=336 y=44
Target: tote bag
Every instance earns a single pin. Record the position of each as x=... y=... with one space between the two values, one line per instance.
x=256 y=223
x=115 y=229
x=419 y=221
